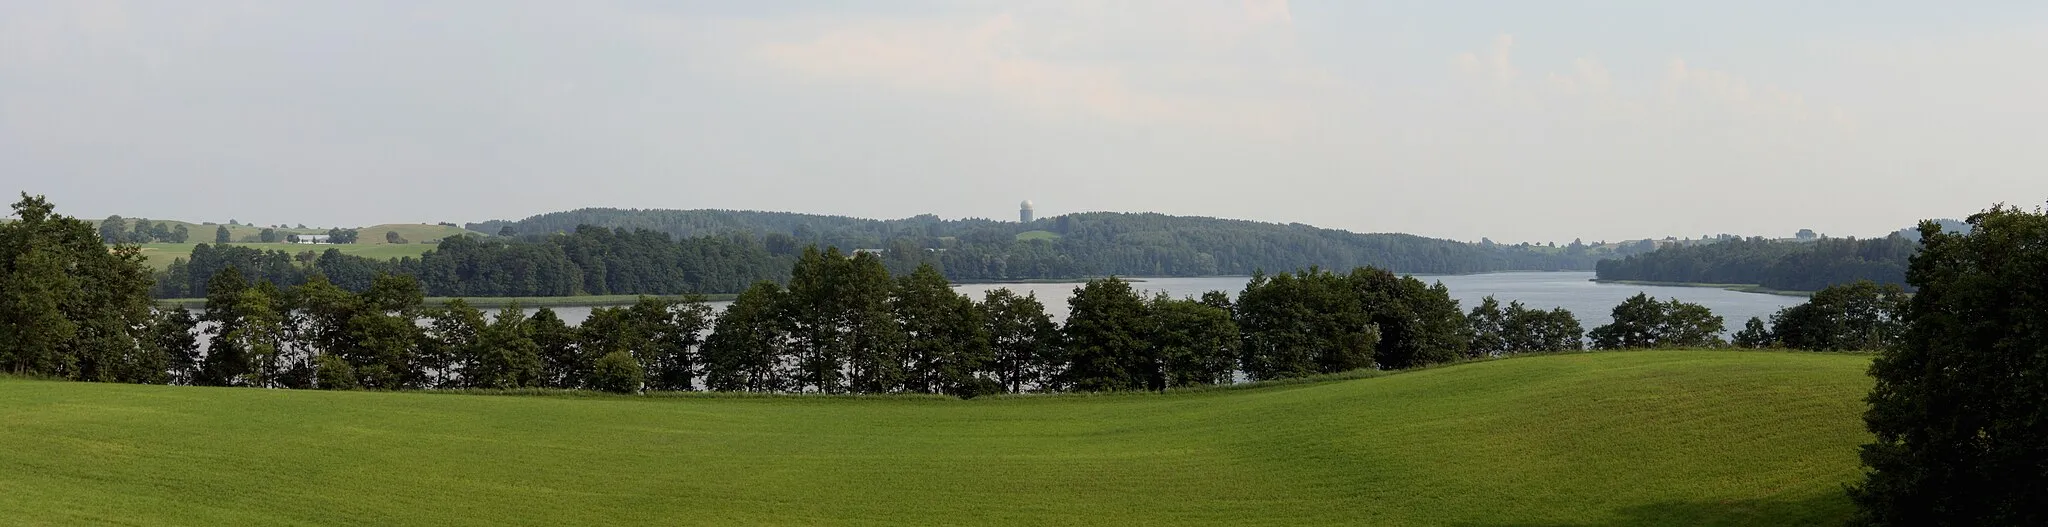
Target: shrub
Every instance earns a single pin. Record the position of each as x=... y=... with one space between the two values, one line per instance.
x=335 y=374
x=617 y=372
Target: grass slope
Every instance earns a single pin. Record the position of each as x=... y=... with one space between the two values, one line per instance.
x=1639 y=438
x=415 y=233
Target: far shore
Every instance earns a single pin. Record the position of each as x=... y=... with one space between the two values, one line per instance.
x=1740 y=288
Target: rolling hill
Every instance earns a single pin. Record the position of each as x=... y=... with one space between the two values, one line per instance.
x=1635 y=438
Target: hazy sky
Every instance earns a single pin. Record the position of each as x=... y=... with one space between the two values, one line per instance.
x=1513 y=120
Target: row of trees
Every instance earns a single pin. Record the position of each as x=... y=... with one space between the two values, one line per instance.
x=1861 y=316
x=1788 y=265
x=116 y=230
x=845 y=325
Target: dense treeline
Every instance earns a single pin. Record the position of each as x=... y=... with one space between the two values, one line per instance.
x=1786 y=265
x=715 y=252
x=116 y=229
x=1079 y=245
x=589 y=261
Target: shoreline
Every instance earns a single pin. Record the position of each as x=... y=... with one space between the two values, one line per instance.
x=1739 y=288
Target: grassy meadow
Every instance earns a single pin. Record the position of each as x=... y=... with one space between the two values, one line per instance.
x=1626 y=438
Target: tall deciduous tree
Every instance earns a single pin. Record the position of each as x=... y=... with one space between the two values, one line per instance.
x=1024 y=341
x=1860 y=316
x=1960 y=408
x=749 y=350
x=562 y=362
x=1301 y=324
x=114 y=230
x=1189 y=343
x=221 y=235
x=1643 y=322
x=1419 y=324
x=1105 y=338
x=946 y=346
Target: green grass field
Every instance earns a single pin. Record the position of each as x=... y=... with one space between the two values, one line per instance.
x=1635 y=438
x=160 y=255
x=1037 y=235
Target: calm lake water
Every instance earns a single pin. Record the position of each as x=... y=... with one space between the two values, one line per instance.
x=1575 y=291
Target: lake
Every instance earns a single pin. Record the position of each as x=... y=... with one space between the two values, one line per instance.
x=1592 y=302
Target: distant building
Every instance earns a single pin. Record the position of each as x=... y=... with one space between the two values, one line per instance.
x=1805 y=234
x=310 y=239
x=1024 y=212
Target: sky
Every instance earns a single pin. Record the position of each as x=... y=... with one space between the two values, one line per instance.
x=1512 y=120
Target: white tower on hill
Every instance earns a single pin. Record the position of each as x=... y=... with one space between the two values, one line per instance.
x=1024 y=212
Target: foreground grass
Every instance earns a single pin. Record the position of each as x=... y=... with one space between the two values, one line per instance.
x=1639 y=438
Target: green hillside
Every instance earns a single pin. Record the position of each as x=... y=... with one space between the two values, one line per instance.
x=1636 y=438
x=412 y=232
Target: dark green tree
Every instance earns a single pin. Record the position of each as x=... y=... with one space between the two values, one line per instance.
x=1189 y=343
x=506 y=355
x=221 y=235
x=1105 y=338
x=172 y=330
x=114 y=230
x=674 y=329
x=1643 y=322
x=1023 y=340
x=946 y=346
x=617 y=372
x=454 y=347
x=1960 y=408
x=180 y=234
x=1418 y=324
x=750 y=346
x=562 y=362
x=268 y=236
x=1301 y=324
x=1859 y=316
x=1487 y=329
x=1754 y=335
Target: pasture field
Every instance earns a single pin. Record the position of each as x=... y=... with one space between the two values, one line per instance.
x=160 y=255
x=1623 y=438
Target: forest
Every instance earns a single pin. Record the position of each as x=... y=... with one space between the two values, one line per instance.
x=1773 y=264
x=608 y=252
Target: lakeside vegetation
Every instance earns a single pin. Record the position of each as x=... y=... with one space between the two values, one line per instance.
x=1770 y=265
x=1637 y=438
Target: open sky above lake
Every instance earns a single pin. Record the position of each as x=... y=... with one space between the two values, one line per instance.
x=1519 y=121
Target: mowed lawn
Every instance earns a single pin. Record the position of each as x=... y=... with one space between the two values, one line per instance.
x=1630 y=438
x=160 y=255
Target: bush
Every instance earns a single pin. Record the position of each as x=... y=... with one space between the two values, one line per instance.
x=335 y=374
x=617 y=372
